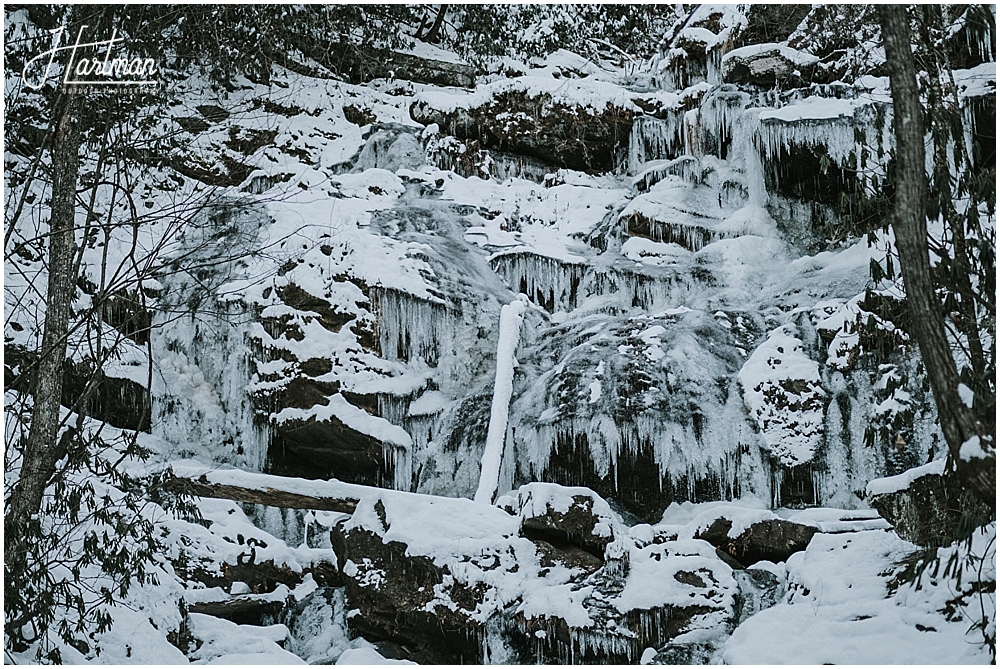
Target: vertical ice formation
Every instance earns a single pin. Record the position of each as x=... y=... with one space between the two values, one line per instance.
x=511 y=317
x=200 y=403
x=202 y=361
x=409 y=327
x=657 y=139
x=557 y=285
x=549 y=283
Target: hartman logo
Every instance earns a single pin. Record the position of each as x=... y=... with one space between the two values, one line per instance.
x=85 y=65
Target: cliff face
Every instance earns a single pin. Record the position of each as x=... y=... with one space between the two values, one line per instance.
x=697 y=291
x=701 y=331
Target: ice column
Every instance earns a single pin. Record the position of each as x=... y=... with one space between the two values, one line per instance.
x=511 y=316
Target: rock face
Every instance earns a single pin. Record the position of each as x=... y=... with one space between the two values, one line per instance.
x=443 y=577
x=772 y=539
x=932 y=510
x=539 y=126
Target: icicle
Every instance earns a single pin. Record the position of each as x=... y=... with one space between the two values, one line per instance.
x=511 y=317
x=655 y=139
x=549 y=283
x=410 y=327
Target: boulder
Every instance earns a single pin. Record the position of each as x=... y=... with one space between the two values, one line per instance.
x=926 y=506
x=767 y=65
x=770 y=539
x=428 y=572
x=759 y=589
x=563 y=516
x=669 y=589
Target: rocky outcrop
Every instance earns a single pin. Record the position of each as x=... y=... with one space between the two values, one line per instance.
x=767 y=65
x=928 y=507
x=440 y=577
x=540 y=126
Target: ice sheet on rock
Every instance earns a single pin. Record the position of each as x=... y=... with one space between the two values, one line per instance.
x=782 y=390
x=431 y=402
x=653 y=382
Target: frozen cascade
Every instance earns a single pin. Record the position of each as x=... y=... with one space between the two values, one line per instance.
x=842 y=136
x=682 y=458
x=558 y=285
x=410 y=327
x=199 y=342
x=199 y=387
x=719 y=112
x=550 y=283
x=656 y=139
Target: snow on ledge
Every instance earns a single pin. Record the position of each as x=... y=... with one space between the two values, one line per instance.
x=351 y=416
x=798 y=58
x=814 y=109
x=902 y=481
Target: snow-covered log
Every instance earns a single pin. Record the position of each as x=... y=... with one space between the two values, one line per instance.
x=279 y=491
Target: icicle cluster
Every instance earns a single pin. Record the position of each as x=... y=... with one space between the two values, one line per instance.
x=410 y=327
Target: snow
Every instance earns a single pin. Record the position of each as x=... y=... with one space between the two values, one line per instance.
x=365 y=656
x=591 y=95
x=429 y=403
x=357 y=419
x=972 y=449
x=224 y=642
x=891 y=484
x=966 y=395
x=782 y=391
x=976 y=82
x=813 y=108
x=798 y=58
x=647 y=586
x=838 y=611
x=511 y=317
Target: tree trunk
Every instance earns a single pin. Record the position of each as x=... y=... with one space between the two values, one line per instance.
x=909 y=224
x=41 y=450
x=432 y=34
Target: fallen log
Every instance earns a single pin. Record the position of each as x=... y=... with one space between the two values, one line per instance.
x=240 y=610
x=255 y=488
